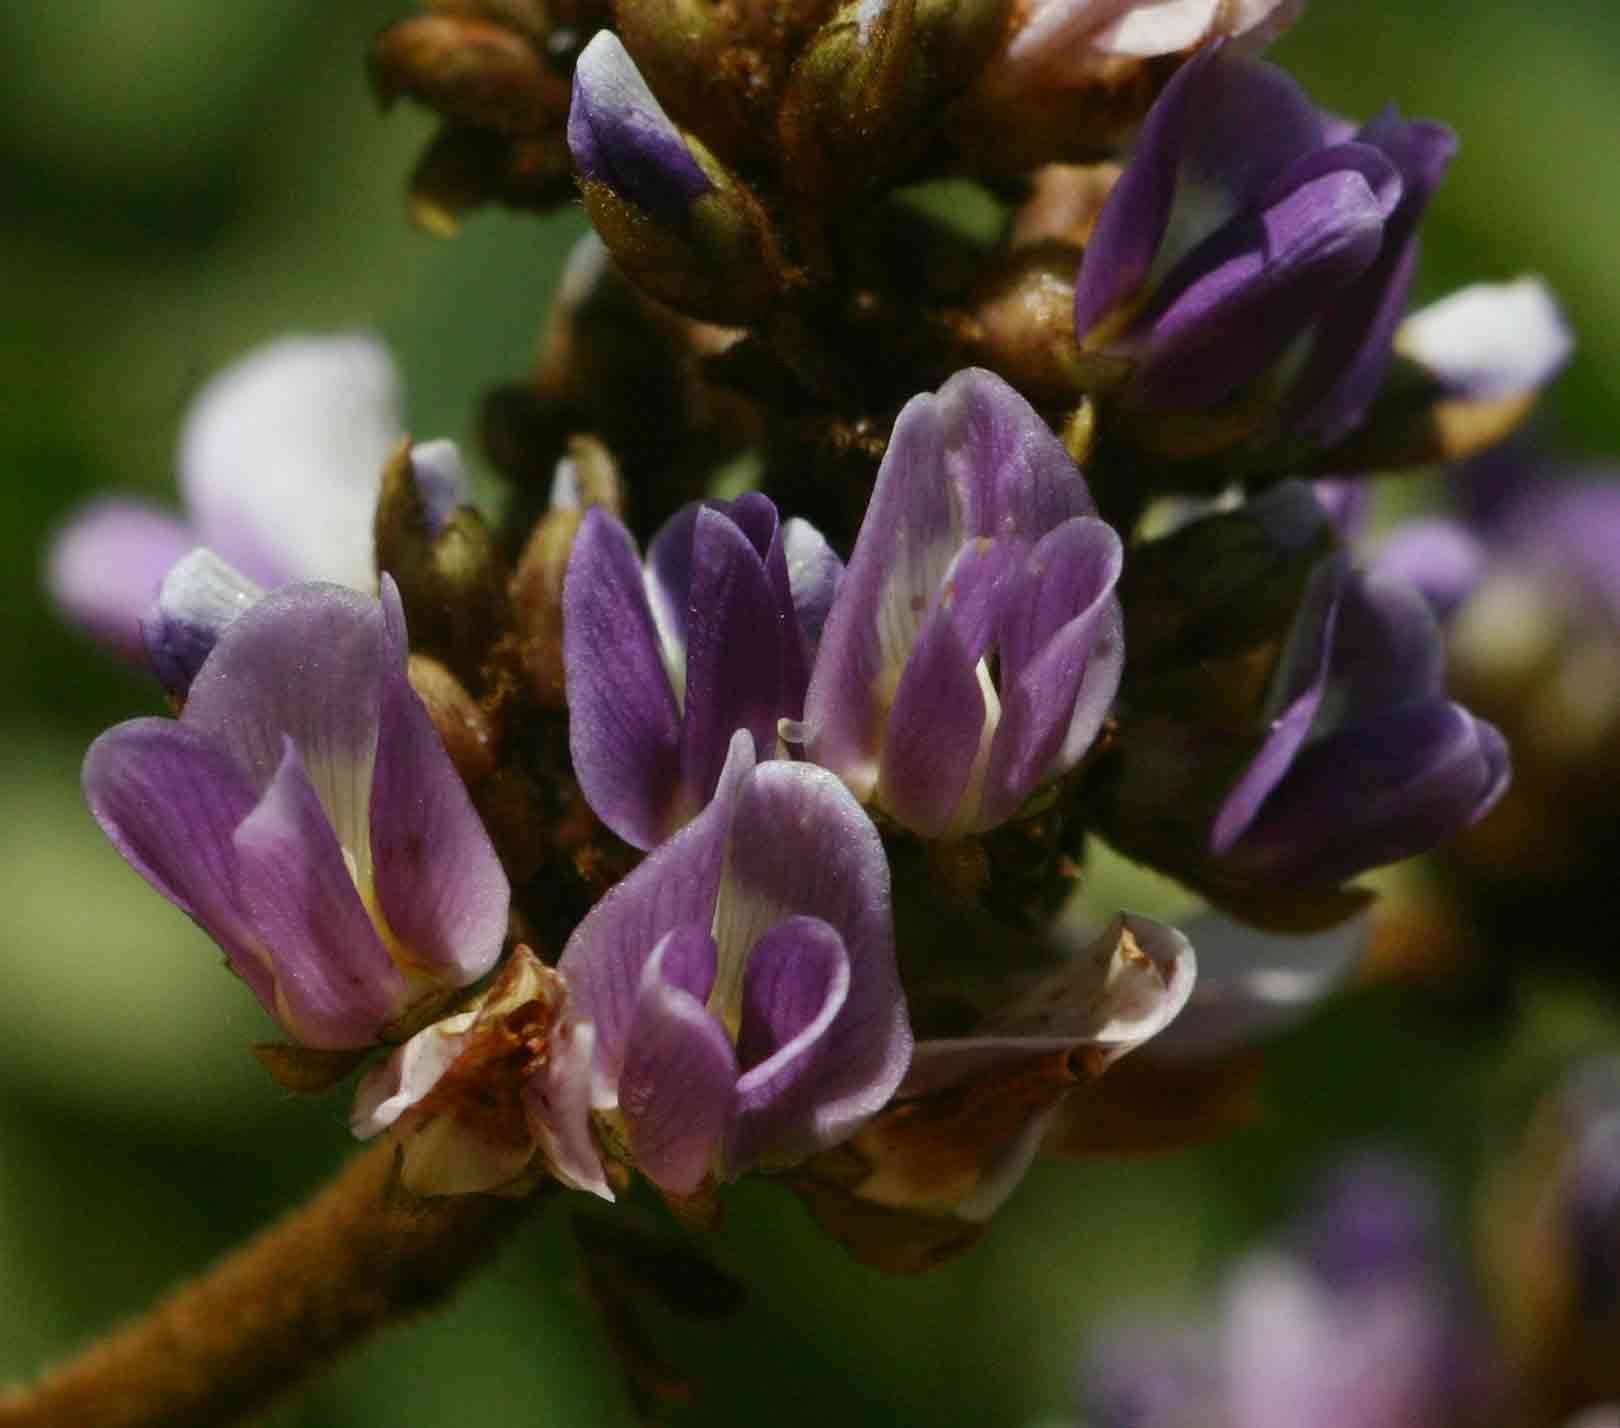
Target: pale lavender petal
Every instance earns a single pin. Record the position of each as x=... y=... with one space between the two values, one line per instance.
x=1376 y=793
x=441 y=480
x=801 y=844
x=1136 y=216
x=1441 y=558
x=1070 y=571
x=1062 y=651
x=675 y=886
x=438 y=879
x=913 y=528
x=1235 y=304
x=170 y=800
x=676 y=1086
x=733 y=653
x=1157 y=27
x=1491 y=340
x=335 y=984
x=620 y=135
x=200 y=597
x=796 y=984
x=814 y=571
x=669 y=588
x=623 y=725
x=105 y=568
x=1014 y=477
x=1300 y=684
x=1254 y=984
x=934 y=728
x=282 y=454
x=307 y=663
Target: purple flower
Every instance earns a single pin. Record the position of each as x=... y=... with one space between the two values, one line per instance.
x=664 y=664
x=303 y=812
x=1366 y=761
x=741 y=982
x=1314 y=236
x=1359 y=1323
x=981 y=551
x=1590 y=1186
x=279 y=463
x=621 y=137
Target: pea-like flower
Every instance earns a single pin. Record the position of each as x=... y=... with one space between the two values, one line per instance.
x=1358 y=1320
x=279 y=462
x=303 y=812
x=664 y=665
x=1303 y=237
x=741 y=982
x=975 y=645
x=1366 y=761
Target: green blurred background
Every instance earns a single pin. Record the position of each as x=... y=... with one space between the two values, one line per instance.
x=184 y=178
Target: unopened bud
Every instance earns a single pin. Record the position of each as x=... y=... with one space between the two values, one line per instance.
x=451 y=577
x=464 y=727
x=586 y=477
x=679 y=222
x=1025 y=324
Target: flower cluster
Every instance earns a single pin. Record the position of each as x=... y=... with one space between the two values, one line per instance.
x=717 y=808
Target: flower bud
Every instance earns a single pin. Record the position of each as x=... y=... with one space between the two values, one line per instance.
x=678 y=221
x=463 y=726
x=469 y=70
x=450 y=574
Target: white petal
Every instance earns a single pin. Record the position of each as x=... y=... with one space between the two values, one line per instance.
x=282 y=453
x=1491 y=340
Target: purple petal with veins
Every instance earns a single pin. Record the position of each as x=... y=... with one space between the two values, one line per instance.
x=170 y=800
x=932 y=739
x=438 y=879
x=1398 y=785
x=733 y=653
x=624 y=727
x=1237 y=301
x=306 y=663
x=801 y=845
x=676 y=1085
x=675 y=886
x=796 y=984
x=335 y=984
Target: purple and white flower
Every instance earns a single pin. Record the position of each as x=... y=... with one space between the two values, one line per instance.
x=1357 y=1321
x=303 y=812
x=1303 y=238
x=741 y=982
x=664 y=664
x=1365 y=761
x=975 y=643
x=279 y=463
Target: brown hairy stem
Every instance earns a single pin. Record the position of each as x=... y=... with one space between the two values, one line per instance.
x=361 y=1255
